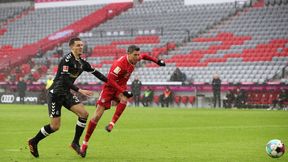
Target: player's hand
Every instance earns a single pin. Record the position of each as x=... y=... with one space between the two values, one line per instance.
x=85 y=92
x=128 y=94
x=161 y=63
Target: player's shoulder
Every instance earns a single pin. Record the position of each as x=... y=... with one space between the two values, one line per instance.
x=122 y=58
x=118 y=65
x=68 y=57
x=120 y=61
x=83 y=59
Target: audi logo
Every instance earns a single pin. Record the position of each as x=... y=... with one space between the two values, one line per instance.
x=7 y=98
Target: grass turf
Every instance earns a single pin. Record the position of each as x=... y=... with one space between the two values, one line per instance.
x=148 y=134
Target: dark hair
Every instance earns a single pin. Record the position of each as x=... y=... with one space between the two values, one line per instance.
x=133 y=48
x=73 y=40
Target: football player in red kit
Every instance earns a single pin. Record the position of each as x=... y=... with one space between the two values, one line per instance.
x=116 y=89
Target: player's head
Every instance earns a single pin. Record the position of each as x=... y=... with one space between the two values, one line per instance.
x=76 y=46
x=133 y=54
x=216 y=76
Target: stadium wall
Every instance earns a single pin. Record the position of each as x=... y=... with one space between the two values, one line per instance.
x=36 y=93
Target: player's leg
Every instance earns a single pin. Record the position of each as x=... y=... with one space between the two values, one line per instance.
x=219 y=98
x=281 y=103
x=91 y=127
x=214 y=98
x=82 y=114
x=119 y=110
x=137 y=100
x=54 y=107
x=43 y=133
x=73 y=104
x=103 y=103
x=274 y=103
x=145 y=102
x=161 y=100
x=94 y=121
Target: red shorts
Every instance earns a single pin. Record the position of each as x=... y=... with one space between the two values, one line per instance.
x=106 y=96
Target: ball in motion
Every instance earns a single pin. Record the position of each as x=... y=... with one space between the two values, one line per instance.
x=275 y=148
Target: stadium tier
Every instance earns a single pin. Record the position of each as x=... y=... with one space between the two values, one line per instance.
x=155 y=28
x=254 y=39
x=42 y=29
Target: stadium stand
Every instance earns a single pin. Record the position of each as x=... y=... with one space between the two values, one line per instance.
x=255 y=41
x=237 y=41
x=246 y=44
x=8 y=13
x=157 y=27
x=44 y=28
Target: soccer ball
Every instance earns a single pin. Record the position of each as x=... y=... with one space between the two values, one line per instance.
x=275 y=148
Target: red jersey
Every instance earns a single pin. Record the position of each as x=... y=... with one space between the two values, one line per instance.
x=121 y=71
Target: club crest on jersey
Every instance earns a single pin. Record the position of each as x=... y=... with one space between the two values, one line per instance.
x=117 y=70
x=65 y=68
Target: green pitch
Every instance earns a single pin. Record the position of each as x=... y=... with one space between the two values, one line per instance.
x=148 y=134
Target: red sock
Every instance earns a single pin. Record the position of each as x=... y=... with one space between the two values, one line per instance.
x=90 y=129
x=119 y=109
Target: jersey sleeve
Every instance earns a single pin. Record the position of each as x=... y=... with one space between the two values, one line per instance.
x=87 y=67
x=149 y=58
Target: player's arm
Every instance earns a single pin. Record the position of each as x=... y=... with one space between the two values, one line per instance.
x=153 y=59
x=77 y=89
x=111 y=80
x=114 y=75
x=87 y=67
x=69 y=83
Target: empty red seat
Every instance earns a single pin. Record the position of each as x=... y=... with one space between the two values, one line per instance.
x=55 y=68
x=192 y=99
x=36 y=75
x=156 y=99
x=177 y=99
x=184 y=100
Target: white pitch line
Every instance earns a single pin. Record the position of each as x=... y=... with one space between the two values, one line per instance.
x=11 y=150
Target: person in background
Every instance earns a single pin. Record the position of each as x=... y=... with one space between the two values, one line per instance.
x=178 y=76
x=21 y=88
x=228 y=102
x=283 y=96
x=43 y=95
x=216 y=87
x=240 y=98
x=136 y=90
x=166 y=98
x=147 y=97
x=49 y=82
